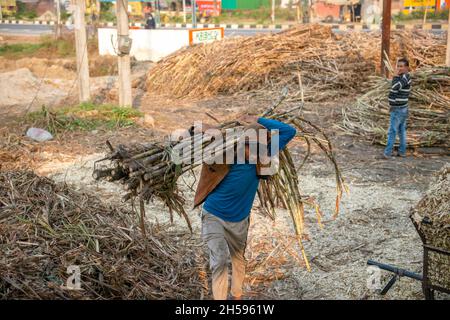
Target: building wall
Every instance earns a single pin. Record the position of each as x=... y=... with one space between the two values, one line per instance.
x=322 y=10
x=148 y=45
x=244 y=4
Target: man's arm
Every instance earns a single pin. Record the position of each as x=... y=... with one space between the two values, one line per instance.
x=285 y=131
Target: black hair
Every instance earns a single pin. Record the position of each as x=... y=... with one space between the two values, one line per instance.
x=404 y=61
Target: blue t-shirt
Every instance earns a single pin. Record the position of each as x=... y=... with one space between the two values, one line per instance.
x=233 y=198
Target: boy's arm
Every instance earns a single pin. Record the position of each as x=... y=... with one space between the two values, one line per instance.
x=400 y=82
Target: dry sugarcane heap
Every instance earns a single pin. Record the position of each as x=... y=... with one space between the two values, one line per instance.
x=432 y=218
x=47 y=227
x=149 y=171
x=324 y=65
x=429 y=110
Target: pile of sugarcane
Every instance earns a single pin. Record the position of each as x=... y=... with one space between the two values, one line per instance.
x=150 y=171
x=325 y=64
x=46 y=228
x=432 y=219
x=429 y=110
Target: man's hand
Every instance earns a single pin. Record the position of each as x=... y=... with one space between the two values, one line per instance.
x=248 y=119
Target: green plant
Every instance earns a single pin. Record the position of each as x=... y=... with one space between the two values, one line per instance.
x=20 y=48
x=418 y=15
x=84 y=117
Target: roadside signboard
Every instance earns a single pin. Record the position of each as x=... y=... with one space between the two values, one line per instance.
x=205 y=35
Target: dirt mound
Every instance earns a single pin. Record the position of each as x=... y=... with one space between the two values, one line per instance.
x=20 y=89
x=60 y=68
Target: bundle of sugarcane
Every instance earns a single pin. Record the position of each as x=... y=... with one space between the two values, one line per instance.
x=429 y=110
x=46 y=229
x=150 y=171
x=431 y=216
x=432 y=213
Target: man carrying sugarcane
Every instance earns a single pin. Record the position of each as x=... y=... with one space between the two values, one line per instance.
x=227 y=192
x=398 y=103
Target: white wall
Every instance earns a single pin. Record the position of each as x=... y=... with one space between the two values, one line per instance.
x=148 y=45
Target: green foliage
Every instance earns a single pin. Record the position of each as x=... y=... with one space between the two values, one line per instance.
x=84 y=117
x=418 y=15
x=24 y=13
x=63 y=47
x=65 y=15
x=106 y=12
x=22 y=48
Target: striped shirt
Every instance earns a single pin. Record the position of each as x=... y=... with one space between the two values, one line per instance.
x=399 y=93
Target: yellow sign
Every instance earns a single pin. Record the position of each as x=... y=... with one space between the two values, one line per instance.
x=418 y=3
x=206 y=35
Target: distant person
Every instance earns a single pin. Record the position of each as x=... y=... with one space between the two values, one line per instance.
x=147 y=11
x=150 y=23
x=398 y=108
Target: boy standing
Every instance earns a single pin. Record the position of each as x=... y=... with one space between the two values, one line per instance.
x=398 y=103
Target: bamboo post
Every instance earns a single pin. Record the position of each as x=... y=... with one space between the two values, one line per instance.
x=124 y=58
x=425 y=16
x=273 y=12
x=81 y=51
x=58 y=19
x=448 y=41
x=194 y=13
x=385 y=35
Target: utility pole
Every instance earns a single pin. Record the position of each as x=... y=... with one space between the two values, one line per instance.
x=447 y=60
x=273 y=12
x=1 y=14
x=194 y=13
x=58 y=19
x=81 y=49
x=305 y=10
x=385 y=35
x=124 y=47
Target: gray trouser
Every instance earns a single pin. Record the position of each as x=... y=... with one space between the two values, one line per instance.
x=224 y=239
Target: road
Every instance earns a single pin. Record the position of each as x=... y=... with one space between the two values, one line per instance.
x=25 y=29
x=37 y=29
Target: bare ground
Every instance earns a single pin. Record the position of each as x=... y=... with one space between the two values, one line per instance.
x=373 y=222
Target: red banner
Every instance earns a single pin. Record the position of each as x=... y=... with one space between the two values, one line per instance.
x=207 y=7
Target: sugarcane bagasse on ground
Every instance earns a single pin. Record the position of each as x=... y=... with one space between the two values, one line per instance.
x=226 y=190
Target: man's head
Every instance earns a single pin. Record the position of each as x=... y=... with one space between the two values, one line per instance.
x=402 y=66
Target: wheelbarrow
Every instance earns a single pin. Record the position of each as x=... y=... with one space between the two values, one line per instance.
x=436 y=267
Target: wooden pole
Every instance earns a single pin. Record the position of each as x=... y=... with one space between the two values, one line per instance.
x=194 y=13
x=385 y=35
x=58 y=19
x=424 y=16
x=81 y=51
x=448 y=41
x=125 y=99
x=273 y=12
